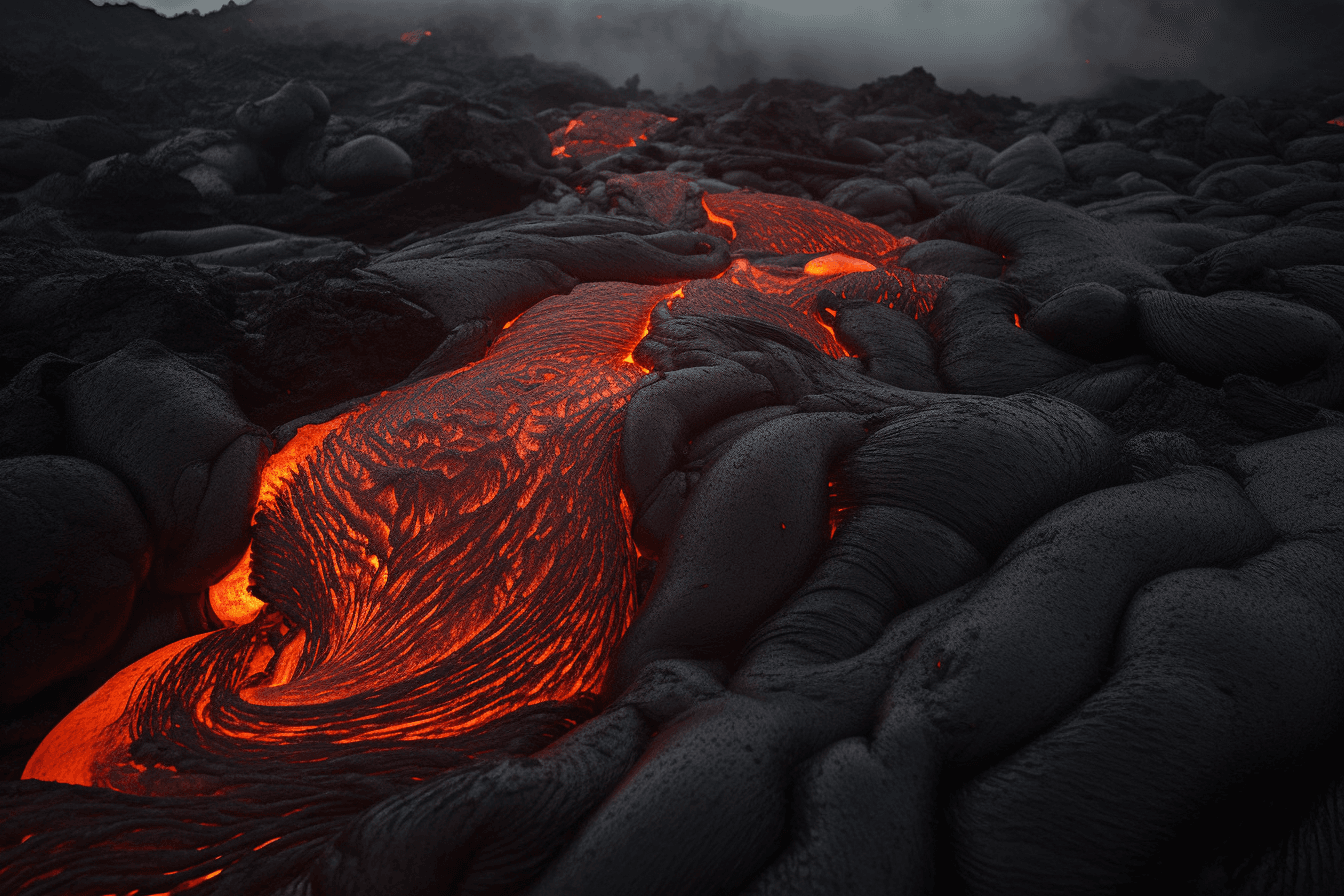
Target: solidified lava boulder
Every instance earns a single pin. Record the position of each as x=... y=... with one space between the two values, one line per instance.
x=486 y=133
x=326 y=338
x=974 y=314
x=949 y=257
x=85 y=304
x=1027 y=166
x=1090 y=320
x=30 y=416
x=366 y=164
x=76 y=549
x=1201 y=657
x=869 y=197
x=217 y=163
x=892 y=347
x=1232 y=132
x=32 y=148
x=291 y=114
x=765 y=120
x=1237 y=332
x=1090 y=161
x=1049 y=247
x=1323 y=149
x=196 y=478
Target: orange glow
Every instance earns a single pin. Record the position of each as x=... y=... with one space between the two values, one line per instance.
x=837 y=263
x=99 y=725
x=1338 y=122
x=440 y=567
x=291 y=457
x=630 y=359
x=856 y=257
x=231 y=598
x=718 y=219
x=414 y=37
x=1017 y=321
x=598 y=133
x=434 y=534
x=786 y=225
x=501 y=477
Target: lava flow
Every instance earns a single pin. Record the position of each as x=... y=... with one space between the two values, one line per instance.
x=447 y=568
x=449 y=556
x=601 y=132
x=445 y=556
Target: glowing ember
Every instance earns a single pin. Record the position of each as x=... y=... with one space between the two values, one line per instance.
x=414 y=37
x=598 y=133
x=1339 y=122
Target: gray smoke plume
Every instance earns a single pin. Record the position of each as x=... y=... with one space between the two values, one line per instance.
x=1038 y=49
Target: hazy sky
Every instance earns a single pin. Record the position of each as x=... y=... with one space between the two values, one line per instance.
x=834 y=7
x=1037 y=49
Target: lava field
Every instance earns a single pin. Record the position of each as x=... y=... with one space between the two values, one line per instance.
x=425 y=471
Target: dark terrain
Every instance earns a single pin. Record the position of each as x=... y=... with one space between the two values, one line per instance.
x=1080 y=628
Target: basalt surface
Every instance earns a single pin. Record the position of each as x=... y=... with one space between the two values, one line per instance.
x=428 y=472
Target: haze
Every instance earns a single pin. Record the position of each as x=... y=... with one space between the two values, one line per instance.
x=1037 y=49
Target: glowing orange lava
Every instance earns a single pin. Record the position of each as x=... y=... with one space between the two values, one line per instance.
x=720 y=222
x=785 y=225
x=447 y=568
x=865 y=269
x=454 y=551
x=231 y=599
x=459 y=544
x=837 y=263
x=598 y=133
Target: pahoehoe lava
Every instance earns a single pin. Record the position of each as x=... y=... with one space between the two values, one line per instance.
x=425 y=472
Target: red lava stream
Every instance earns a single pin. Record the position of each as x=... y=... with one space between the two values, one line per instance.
x=453 y=555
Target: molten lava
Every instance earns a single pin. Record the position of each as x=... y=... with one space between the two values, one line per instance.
x=784 y=225
x=432 y=563
x=866 y=267
x=598 y=133
x=444 y=571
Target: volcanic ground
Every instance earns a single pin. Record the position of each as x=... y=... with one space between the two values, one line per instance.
x=424 y=471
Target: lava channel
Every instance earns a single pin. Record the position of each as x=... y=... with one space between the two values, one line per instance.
x=451 y=563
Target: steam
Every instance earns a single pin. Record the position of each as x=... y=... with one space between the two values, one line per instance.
x=1231 y=45
x=1038 y=49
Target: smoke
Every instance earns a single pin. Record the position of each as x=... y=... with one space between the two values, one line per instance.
x=1231 y=45
x=1037 y=49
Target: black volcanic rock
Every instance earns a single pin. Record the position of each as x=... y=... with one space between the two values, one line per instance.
x=76 y=548
x=894 y=633
x=85 y=304
x=195 y=481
